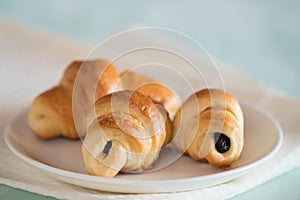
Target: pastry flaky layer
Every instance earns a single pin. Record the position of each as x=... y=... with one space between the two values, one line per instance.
x=126 y=133
x=210 y=127
x=51 y=113
x=165 y=99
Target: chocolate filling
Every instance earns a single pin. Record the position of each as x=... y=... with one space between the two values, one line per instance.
x=107 y=147
x=222 y=142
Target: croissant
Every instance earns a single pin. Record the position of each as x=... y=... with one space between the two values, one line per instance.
x=209 y=127
x=51 y=113
x=126 y=133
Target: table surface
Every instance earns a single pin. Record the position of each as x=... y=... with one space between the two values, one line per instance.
x=260 y=39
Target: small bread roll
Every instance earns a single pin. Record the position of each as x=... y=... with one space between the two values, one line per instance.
x=210 y=127
x=167 y=102
x=126 y=134
x=51 y=113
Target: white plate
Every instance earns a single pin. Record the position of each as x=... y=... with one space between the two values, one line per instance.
x=61 y=159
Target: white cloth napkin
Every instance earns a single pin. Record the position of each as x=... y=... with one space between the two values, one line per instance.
x=31 y=62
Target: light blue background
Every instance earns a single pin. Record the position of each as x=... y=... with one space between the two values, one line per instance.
x=258 y=38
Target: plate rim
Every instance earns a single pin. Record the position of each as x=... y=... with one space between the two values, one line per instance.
x=95 y=179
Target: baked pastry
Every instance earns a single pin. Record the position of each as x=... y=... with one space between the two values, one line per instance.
x=131 y=80
x=51 y=113
x=167 y=102
x=209 y=127
x=162 y=95
x=126 y=133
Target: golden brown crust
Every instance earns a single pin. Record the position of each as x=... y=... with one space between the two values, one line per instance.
x=216 y=98
x=69 y=76
x=159 y=94
x=135 y=128
x=131 y=80
x=162 y=95
x=108 y=81
x=203 y=114
x=168 y=123
x=51 y=112
x=127 y=101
